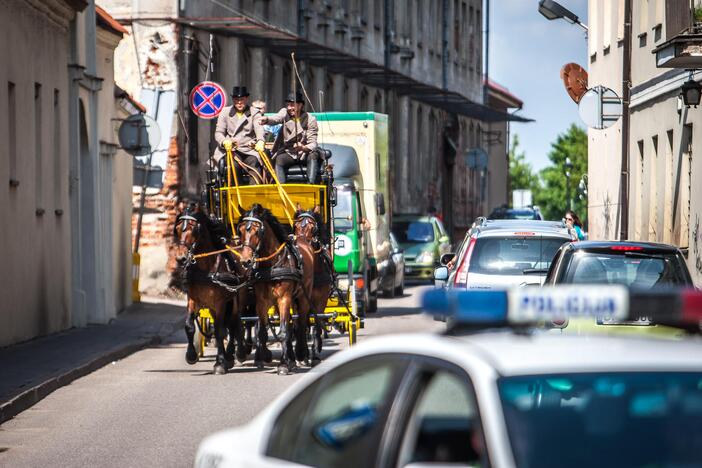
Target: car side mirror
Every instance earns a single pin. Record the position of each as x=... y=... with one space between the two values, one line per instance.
x=441 y=274
x=444 y=239
x=445 y=258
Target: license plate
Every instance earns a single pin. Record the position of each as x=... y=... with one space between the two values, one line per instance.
x=640 y=322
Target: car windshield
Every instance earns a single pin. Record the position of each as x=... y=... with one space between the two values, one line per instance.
x=343 y=219
x=513 y=214
x=513 y=255
x=414 y=231
x=612 y=419
x=633 y=269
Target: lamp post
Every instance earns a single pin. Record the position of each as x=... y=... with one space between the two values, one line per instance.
x=553 y=10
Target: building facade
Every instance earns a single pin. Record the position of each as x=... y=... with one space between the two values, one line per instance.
x=665 y=191
x=62 y=242
x=418 y=61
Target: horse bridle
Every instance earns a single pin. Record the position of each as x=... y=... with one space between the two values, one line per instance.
x=250 y=219
x=307 y=218
x=186 y=219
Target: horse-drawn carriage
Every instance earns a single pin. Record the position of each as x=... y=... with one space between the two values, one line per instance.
x=259 y=260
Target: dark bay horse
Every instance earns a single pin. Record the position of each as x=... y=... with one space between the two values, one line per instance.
x=309 y=228
x=196 y=236
x=282 y=274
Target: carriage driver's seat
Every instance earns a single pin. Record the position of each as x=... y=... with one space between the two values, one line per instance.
x=297 y=173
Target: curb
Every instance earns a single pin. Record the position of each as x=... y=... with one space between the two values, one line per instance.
x=34 y=395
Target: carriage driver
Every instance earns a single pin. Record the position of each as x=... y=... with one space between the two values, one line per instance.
x=297 y=141
x=238 y=124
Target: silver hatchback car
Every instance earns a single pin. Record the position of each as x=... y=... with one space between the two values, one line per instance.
x=497 y=254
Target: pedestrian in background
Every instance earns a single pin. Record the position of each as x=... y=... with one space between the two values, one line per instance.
x=574 y=222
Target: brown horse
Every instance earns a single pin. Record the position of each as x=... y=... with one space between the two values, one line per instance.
x=310 y=229
x=197 y=235
x=282 y=274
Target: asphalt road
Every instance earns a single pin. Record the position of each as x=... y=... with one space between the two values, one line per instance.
x=152 y=409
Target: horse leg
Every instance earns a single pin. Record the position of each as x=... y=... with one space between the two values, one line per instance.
x=284 y=336
x=221 y=363
x=191 y=356
x=302 y=351
x=236 y=333
x=231 y=332
x=262 y=354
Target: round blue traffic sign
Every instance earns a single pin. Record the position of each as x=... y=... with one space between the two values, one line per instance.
x=207 y=99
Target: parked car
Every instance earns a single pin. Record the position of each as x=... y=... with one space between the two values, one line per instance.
x=499 y=392
x=638 y=265
x=502 y=253
x=393 y=282
x=503 y=212
x=424 y=241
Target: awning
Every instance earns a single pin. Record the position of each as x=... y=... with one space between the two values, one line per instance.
x=261 y=34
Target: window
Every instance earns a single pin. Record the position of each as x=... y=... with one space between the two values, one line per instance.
x=444 y=426
x=340 y=419
x=627 y=419
x=513 y=255
x=12 y=132
x=38 y=156
x=56 y=154
x=653 y=192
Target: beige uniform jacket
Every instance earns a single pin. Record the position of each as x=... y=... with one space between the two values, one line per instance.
x=304 y=131
x=243 y=132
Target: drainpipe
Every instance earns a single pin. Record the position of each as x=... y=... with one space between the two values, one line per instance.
x=444 y=43
x=487 y=51
x=626 y=97
x=389 y=19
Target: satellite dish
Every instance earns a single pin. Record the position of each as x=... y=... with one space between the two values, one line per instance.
x=139 y=135
x=600 y=107
x=575 y=80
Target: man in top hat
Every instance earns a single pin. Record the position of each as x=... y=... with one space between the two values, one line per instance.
x=238 y=124
x=297 y=140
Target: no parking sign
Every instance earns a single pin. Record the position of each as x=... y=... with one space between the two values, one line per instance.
x=207 y=99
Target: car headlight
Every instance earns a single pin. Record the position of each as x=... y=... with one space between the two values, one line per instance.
x=426 y=257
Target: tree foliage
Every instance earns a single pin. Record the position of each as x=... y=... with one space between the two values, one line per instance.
x=521 y=175
x=557 y=187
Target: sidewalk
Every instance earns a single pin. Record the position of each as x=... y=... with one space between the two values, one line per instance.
x=30 y=371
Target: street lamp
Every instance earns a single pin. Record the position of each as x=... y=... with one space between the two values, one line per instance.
x=568 y=167
x=553 y=10
x=691 y=92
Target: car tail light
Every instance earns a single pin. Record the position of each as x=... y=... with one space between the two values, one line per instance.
x=462 y=272
x=626 y=248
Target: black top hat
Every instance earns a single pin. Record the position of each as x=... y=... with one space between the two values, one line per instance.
x=240 y=91
x=295 y=97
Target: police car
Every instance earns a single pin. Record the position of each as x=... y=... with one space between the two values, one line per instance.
x=503 y=388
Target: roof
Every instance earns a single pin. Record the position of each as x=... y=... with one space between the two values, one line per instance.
x=550 y=352
x=583 y=245
x=503 y=94
x=108 y=22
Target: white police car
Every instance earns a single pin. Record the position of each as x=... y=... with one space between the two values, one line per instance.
x=496 y=391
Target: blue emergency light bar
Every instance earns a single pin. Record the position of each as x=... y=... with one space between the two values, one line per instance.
x=680 y=308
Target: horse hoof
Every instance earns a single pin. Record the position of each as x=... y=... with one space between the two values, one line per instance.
x=191 y=356
x=283 y=370
x=316 y=361
x=240 y=359
x=258 y=364
x=228 y=364
x=219 y=369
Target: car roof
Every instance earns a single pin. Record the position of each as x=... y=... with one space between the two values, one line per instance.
x=650 y=246
x=512 y=354
x=510 y=226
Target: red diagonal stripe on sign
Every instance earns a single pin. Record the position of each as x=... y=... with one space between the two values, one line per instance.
x=207 y=100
